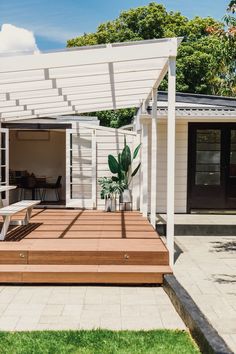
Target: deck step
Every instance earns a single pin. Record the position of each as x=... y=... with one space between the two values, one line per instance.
x=86 y=251
x=109 y=274
x=85 y=257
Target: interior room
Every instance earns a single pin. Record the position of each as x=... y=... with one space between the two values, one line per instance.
x=37 y=162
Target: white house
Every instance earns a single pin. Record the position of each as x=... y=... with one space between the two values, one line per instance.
x=205 y=153
x=188 y=147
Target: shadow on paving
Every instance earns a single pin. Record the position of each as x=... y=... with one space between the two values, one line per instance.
x=224 y=246
x=225 y=279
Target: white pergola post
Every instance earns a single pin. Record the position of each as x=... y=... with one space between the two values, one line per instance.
x=171 y=158
x=154 y=159
x=94 y=169
x=144 y=167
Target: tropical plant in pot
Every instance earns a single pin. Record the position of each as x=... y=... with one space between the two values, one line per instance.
x=122 y=169
x=110 y=190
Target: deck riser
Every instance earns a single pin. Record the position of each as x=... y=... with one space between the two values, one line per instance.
x=76 y=258
x=78 y=278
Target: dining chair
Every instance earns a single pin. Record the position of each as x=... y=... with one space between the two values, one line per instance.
x=53 y=186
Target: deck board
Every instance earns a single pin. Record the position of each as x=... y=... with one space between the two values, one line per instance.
x=81 y=244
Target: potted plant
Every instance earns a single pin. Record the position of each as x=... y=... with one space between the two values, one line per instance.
x=110 y=190
x=122 y=168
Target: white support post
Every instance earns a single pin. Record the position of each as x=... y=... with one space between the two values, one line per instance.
x=94 y=169
x=153 y=193
x=136 y=181
x=171 y=158
x=144 y=167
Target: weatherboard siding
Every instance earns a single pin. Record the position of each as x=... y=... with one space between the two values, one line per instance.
x=180 y=166
x=111 y=141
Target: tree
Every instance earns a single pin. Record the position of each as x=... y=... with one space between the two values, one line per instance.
x=115 y=119
x=225 y=75
x=199 y=56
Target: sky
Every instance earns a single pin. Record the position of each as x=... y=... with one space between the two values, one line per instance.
x=54 y=21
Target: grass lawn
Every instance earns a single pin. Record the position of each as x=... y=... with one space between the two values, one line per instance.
x=97 y=342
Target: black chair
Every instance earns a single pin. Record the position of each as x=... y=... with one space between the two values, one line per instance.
x=53 y=186
x=28 y=183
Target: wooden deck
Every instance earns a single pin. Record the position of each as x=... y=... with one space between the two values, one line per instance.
x=78 y=246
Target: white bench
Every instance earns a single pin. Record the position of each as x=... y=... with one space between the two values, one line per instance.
x=10 y=210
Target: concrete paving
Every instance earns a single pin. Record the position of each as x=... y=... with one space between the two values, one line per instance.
x=200 y=219
x=86 y=307
x=206 y=268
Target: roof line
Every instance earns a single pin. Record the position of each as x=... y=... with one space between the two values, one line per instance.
x=96 y=46
x=200 y=99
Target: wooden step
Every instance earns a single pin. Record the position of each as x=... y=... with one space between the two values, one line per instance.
x=93 y=274
x=86 y=251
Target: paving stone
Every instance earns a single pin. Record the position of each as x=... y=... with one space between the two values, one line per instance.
x=23 y=310
x=53 y=310
x=213 y=269
x=112 y=323
x=75 y=310
x=141 y=322
x=8 y=323
x=73 y=307
x=92 y=323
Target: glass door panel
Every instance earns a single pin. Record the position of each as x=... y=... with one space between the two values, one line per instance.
x=208 y=157
x=206 y=173
x=232 y=155
x=231 y=170
x=4 y=163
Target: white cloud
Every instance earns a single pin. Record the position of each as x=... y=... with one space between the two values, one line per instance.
x=56 y=34
x=15 y=39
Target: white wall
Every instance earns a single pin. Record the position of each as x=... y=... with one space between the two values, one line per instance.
x=43 y=158
x=181 y=161
x=108 y=141
x=112 y=142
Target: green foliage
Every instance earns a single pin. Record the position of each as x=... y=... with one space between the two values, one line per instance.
x=122 y=166
x=136 y=151
x=110 y=188
x=203 y=61
x=113 y=164
x=115 y=119
x=225 y=75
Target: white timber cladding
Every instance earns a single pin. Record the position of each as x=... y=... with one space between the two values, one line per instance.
x=87 y=160
x=92 y=78
x=181 y=162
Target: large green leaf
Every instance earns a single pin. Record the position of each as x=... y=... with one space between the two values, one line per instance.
x=136 y=150
x=126 y=159
x=113 y=164
x=136 y=170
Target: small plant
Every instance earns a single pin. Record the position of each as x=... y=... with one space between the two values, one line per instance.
x=122 y=166
x=110 y=189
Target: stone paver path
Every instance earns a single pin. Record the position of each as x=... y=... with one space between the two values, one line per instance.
x=207 y=270
x=84 y=307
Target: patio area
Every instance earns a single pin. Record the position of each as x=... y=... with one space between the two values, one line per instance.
x=24 y=308
x=206 y=268
x=82 y=246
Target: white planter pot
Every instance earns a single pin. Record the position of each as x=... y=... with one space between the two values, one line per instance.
x=110 y=204
x=126 y=196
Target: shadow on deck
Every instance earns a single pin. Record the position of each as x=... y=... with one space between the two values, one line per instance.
x=84 y=246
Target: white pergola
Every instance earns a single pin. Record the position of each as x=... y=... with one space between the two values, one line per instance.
x=96 y=78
